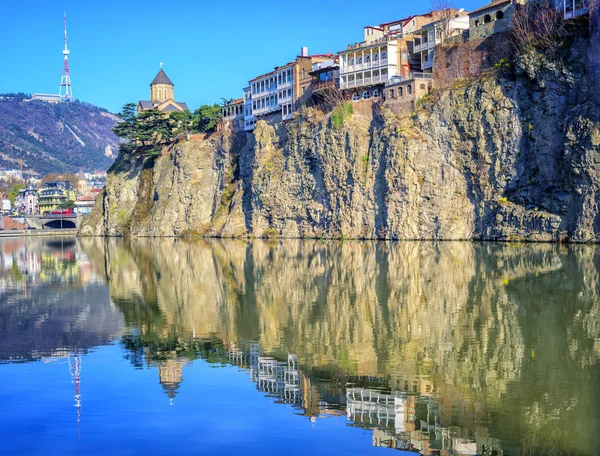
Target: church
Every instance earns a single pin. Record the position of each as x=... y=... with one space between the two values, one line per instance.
x=162 y=95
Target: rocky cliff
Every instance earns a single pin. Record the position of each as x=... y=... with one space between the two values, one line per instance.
x=513 y=155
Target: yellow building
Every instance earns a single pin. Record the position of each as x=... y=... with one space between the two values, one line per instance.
x=162 y=95
x=53 y=194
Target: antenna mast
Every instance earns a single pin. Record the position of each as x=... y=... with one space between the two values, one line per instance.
x=65 y=82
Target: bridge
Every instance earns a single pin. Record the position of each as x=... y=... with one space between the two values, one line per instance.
x=53 y=221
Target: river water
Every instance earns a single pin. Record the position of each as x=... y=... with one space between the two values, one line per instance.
x=230 y=347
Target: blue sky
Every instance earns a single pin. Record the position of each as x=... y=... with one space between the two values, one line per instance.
x=210 y=49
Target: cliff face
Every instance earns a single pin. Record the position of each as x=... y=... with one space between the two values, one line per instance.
x=514 y=155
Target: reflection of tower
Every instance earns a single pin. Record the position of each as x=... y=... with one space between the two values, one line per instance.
x=75 y=371
x=170 y=373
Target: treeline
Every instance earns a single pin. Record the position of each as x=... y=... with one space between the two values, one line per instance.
x=153 y=128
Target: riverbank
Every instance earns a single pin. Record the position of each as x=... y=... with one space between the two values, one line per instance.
x=32 y=233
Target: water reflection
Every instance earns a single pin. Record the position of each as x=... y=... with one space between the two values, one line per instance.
x=449 y=348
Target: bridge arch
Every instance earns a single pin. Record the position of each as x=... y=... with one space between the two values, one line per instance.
x=59 y=223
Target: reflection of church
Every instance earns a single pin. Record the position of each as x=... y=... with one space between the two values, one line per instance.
x=170 y=374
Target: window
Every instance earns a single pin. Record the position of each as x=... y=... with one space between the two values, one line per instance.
x=359 y=60
x=422 y=86
x=367 y=58
x=392 y=93
x=499 y=15
x=366 y=95
x=409 y=89
x=352 y=61
x=476 y=23
x=383 y=55
x=375 y=57
x=487 y=19
x=303 y=73
x=404 y=56
x=355 y=97
x=376 y=93
x=400 y=92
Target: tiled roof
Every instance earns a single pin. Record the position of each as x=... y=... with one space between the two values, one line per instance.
x=144 y=104
x=491 y=5
x=161 y=78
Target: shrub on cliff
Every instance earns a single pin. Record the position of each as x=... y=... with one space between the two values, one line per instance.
x=340 y=114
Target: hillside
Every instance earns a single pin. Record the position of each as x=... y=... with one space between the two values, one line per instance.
x=55 y=137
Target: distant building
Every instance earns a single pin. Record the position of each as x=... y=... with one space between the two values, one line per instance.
x=27 y=201
x=85 y=204
x=46 y=97
x=53 y=194
x=82 y=186
x=162 y=95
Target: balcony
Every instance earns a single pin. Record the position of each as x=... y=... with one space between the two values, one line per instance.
x=284 y=85
x=285 y=99
x=427 y=64
x=381 y=79
x=320 y=85
x=266 y=110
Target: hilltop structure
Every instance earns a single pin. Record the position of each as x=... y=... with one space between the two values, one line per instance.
x=162 y=95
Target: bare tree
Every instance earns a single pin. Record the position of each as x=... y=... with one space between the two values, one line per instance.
x=539 y=24
x=443 y=11
x=332 y=97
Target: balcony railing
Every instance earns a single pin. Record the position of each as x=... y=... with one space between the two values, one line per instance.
x=364 y=82
x=366 y=65
x=265 y=110
x=284 y=100
x=284 y=85
x=427 y=64
x=320 y=85
x=398 y=79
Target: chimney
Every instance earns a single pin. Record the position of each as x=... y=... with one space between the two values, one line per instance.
x=304 y=51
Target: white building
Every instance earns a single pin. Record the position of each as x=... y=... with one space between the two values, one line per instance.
x=249 y=119
x=285 y=89
x=264 y=94
x=434 y=33
x=371 y=62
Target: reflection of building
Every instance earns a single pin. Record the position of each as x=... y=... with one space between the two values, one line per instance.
x=170 y=373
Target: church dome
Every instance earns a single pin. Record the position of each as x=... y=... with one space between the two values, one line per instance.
x=161 y=78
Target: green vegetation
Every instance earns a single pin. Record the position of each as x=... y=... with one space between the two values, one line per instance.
x=153 y=127
x=341 y=113
x=69 y=204
x=14 y=192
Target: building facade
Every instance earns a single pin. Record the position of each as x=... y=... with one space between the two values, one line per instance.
x=281 y=90
x=437 y=32
x=492 y=18
x=401 y=94
x=53 y=194
x=27 y=201
x=233 y=113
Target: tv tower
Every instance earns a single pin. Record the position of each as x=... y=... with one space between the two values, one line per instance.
x=65 y=82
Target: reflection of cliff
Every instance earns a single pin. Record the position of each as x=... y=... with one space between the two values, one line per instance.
x=50 y=300
x=494 y=331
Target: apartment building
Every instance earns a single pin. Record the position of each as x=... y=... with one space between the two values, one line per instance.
x=387 y=51
x=280 y=90
x=442 y=30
